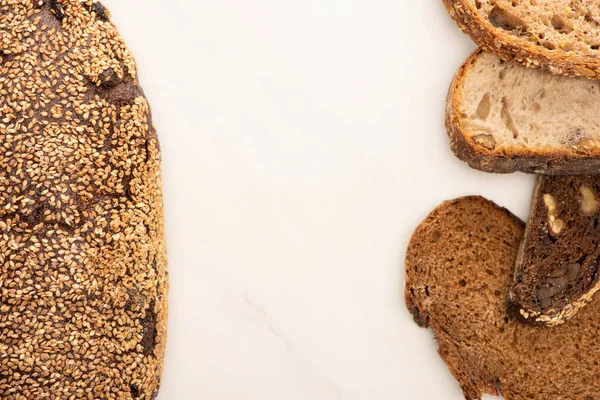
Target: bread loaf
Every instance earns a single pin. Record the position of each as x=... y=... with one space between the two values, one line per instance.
x=83 y=281
x=459 y=266
x=502 y=117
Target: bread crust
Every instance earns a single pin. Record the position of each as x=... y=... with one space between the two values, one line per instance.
x=511 y=48
x=530 y=161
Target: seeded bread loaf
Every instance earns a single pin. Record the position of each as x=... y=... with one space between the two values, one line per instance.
x=83 y=281
x=557 y=271
x=562 y=36
x=502 y=117
x=459 y=266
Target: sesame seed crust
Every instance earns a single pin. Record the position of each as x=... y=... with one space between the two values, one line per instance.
x=83 y=280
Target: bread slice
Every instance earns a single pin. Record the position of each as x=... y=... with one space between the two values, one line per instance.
x=459 y=265
x=562 y=36
x=557 y=267
x=502 y=117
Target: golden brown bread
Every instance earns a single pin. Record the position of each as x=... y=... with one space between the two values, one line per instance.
x=561 y=36
x=459 y=265
x=83 y=281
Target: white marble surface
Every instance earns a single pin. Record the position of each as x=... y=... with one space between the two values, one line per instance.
x=303 y=141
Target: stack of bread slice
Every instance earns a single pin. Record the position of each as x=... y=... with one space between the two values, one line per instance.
x=512 y=304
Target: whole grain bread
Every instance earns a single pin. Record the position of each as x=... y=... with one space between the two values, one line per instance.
x=502 y=117
x=459 y=266
x=557 y=270
x=83 y=281
x=561 y=36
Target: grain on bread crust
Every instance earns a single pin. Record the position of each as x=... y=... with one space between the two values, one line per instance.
x=459 y=265
x=556 y=158
x=83 y=281
x=560 y=36
x=557 y=268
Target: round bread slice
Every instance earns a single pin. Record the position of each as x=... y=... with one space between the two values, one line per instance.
x=459 y=266
x=83 y=281
x=561 y=36
x=502 y=117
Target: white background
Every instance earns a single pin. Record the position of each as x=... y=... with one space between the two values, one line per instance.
x=303 y=141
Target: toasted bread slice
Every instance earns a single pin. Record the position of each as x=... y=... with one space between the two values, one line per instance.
x=562 y=36
x=557 y=270
x=502 y=117
x=459 y=266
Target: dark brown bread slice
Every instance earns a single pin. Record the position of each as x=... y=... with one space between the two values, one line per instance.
x=83 y=281
x=557 y=267
x=459 y=265
x=502 y=117
x=562 y=36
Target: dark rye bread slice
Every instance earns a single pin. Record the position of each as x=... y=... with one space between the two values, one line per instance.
x=561 y=36
x=556 y=270
x=83 y=281
x=459 y=266
x=502 y=117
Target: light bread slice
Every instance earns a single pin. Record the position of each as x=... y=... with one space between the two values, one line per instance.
x=459 y=266
x=562 y=36
x=557 y=270
x=502 y=117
